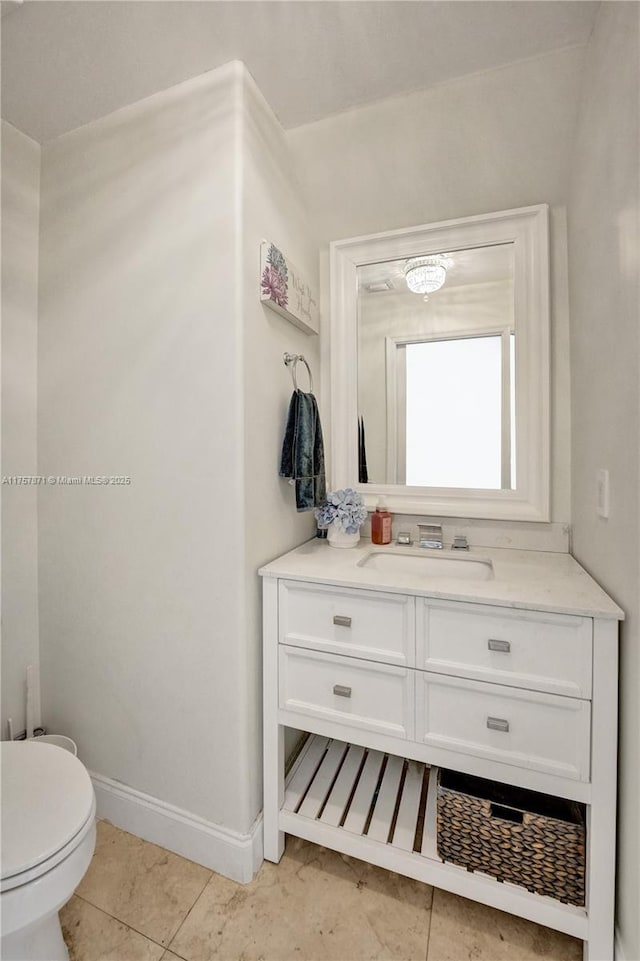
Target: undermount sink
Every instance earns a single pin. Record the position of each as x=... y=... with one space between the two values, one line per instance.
x=429 y=563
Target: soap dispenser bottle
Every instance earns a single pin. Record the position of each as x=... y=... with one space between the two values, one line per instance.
x=381 y=524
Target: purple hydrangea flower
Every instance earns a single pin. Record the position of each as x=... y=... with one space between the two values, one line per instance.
x=275 y=285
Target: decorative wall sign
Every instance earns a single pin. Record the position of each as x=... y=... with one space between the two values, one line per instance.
x=285 y=290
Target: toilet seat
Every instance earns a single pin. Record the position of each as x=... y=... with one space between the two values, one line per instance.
x=48 y=806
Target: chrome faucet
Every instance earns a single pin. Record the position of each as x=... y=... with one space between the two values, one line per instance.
x=430 y=535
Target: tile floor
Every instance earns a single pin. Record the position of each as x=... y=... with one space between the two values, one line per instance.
x=139 y=902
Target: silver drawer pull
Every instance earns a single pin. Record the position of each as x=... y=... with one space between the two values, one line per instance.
x=342 y=621
x=497 y=724
x=341 y=691
x=495 y=645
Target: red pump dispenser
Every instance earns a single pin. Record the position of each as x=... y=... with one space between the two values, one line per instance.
x=381 y=524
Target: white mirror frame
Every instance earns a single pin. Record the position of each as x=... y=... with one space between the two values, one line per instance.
x=528 y=229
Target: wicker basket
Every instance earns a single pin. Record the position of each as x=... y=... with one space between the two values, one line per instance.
x=514 y=835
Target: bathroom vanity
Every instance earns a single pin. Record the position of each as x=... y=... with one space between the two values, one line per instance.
x=500 y=664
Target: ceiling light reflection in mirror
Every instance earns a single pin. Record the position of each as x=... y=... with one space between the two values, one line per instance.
x=436 y=370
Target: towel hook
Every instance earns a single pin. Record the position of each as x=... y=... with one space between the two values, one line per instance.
x=291 y=360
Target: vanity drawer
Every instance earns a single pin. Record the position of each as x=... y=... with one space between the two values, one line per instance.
x=527 y=729
x=358 y=693
x=375 y=626
x=539 y=651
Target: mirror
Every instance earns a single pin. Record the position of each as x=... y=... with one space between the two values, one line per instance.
x=440 y=366
x=436 y=384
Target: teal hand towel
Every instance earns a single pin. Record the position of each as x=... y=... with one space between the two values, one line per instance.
x=302 y=457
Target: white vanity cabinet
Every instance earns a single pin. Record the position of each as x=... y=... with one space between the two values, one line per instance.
x=393 y=680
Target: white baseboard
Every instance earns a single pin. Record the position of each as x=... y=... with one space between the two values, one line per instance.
x=236 y=856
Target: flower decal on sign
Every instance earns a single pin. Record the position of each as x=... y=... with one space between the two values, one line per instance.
x=286 y=291
x=275 y=277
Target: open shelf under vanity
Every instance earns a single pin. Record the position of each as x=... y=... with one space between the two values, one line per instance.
x=381 y=808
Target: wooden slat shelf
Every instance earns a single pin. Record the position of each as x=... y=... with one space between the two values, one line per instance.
x=367 y=793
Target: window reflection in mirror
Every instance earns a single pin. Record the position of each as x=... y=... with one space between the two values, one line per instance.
x=436 y=373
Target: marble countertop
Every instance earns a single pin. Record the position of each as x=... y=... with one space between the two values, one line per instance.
x=530 y=580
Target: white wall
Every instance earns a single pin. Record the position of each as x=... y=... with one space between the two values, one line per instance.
x=141 y=586
x=604 y=252
x=493 y=141
x=158 y=361
x=271 y=210
x=20 y=213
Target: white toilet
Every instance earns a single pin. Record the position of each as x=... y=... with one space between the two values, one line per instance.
x=48 y=838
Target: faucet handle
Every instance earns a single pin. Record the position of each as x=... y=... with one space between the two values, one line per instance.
x=460 y=543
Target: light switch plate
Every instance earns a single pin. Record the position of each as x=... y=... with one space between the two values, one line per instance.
x=602 y=493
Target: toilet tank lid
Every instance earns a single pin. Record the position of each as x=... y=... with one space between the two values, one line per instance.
x=47 y=797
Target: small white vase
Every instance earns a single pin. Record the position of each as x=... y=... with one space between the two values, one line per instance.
x=338 y=538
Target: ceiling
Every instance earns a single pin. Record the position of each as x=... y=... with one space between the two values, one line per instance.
x=69 y=62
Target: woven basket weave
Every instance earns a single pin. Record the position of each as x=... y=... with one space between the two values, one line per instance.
x=512 y=834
